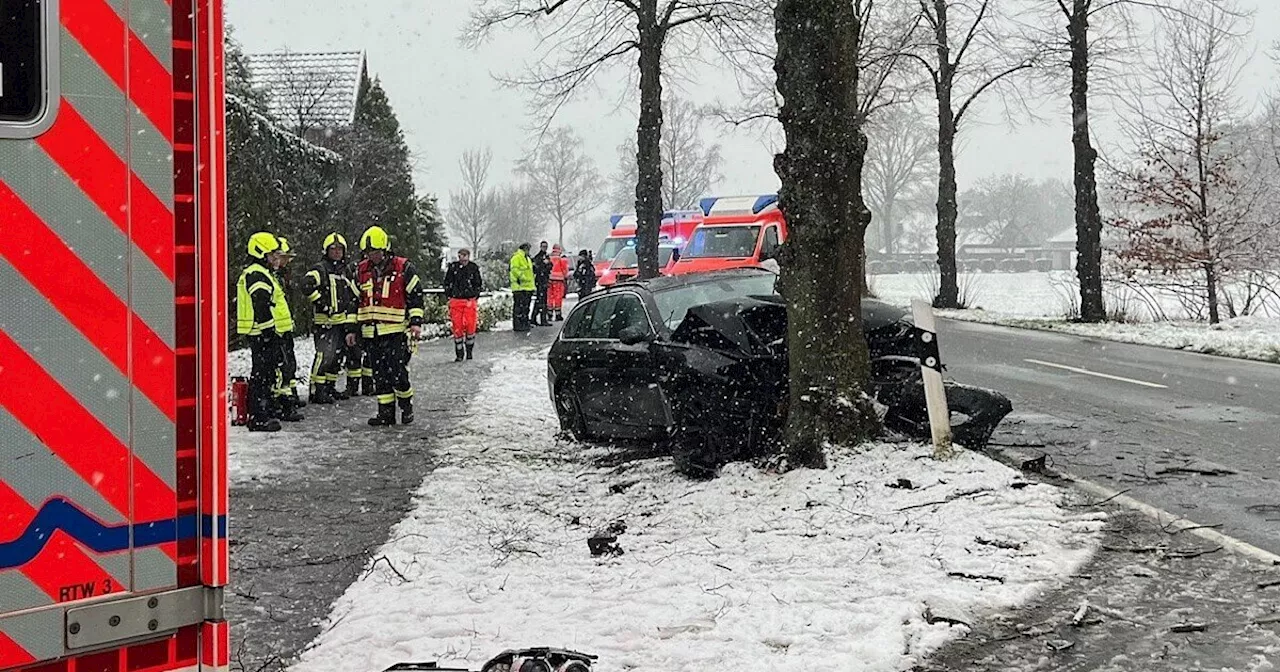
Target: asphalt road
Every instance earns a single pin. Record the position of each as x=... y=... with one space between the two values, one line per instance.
x=1195 y=435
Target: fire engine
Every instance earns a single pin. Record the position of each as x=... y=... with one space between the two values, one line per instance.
x=735 y=231
x=113 y=485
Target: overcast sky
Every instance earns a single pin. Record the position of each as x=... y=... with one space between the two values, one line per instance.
x=448 y=100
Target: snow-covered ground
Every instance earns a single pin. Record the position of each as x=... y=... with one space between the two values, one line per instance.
x=1041 y=301
x=812 y=570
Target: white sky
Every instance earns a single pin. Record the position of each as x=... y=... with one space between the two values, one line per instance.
x=448 y=101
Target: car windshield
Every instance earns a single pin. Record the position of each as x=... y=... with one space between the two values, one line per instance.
x=674 y=302
x=612 y=246
x=627 y=258
x=724 y=241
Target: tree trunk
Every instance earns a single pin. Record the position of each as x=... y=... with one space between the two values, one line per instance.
x=821 y=195
x=649 y=141
x=949 y=286
x=1211 y=290
x=1088 y=217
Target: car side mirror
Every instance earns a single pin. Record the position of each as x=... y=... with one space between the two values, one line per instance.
x=634 y=336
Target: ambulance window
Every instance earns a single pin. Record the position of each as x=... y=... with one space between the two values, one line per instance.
x=24 y=66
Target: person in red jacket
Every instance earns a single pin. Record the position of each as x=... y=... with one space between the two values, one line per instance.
x=559 y=282
x=390 y=315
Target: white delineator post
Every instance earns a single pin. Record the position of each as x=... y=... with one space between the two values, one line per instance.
x=935 y=394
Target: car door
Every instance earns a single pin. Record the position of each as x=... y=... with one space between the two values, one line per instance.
x=586 y=337
x=632 y=404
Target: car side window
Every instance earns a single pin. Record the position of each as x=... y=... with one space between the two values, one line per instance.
x=578 y=322
x=598 y=318
x=628 y=312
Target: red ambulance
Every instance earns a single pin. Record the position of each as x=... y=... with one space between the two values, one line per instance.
x=735 y=232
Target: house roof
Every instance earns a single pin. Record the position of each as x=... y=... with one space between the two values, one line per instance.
x=310 y=89
x=1066 y=236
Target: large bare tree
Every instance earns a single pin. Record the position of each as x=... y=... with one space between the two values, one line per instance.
x=518 y=215
x=1197 y=202
x=562 y=178
x=690 y=166
x=471 y=207
x=965 y=57
x=581 y=38
x=822 y=269
x=901 y=157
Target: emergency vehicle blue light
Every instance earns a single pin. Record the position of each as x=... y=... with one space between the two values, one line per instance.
x=764 y=202
x=706 y=204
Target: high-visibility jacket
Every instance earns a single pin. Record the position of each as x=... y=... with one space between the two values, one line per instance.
x=260 y=303
x=390 y=297
x=331 y=294
x=559 y=269
x=522 y=273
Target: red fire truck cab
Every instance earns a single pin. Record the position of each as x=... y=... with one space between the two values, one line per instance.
x=736 y=232
x=113 y=337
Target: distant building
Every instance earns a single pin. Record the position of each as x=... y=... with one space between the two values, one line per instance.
x=1062 y=249
x=314 y=94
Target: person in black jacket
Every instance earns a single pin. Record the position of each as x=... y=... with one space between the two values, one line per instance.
x=584 y=273
x=462 y=285
x=334 y=316
x=542 y=280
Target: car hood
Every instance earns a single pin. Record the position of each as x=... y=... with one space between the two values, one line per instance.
x=756 y=326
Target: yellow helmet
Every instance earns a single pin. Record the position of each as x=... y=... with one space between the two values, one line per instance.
x=334 y=239
x=284 y=246
x=261 y=244
x=375 y=238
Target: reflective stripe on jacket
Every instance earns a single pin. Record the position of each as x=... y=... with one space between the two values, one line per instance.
x=522 y=273
x=390 y=297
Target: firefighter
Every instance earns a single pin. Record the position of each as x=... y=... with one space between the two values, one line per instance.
x=359 y=369
x=331 y=296
x=262 y=314
x=559 y=282
x=541 y=282
x=584 y=274
x=462 y=285
x=390 y=308
x=287 y=402
x=523 y=285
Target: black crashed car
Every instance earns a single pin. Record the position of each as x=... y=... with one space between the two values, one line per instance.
x=701 y=359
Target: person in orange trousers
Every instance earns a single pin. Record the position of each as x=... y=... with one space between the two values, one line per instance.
x=462 y=284
x=559 y=282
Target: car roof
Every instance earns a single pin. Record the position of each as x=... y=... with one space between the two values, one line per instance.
x=663 y=282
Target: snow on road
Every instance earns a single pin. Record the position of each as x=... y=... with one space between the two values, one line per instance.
x=1040 y=301
x=813 y=570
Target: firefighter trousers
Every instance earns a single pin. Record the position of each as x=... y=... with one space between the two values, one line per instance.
x=358 y=364
x=390 y=356
x=265 y=354
x=330 y=342
x=287 y=372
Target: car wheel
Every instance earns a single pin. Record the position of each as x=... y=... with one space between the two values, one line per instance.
x=569 y=412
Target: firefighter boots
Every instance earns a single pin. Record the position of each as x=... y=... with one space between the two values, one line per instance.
x=260 y=425
x=559 y=316
x=461 y=352
x=324 y=394
x=406 y=411
x=287 y=408
x=470 y=348
x=386 y=416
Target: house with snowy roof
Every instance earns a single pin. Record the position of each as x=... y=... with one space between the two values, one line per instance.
x=313 y=94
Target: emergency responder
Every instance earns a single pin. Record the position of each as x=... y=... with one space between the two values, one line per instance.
x=584 y=274
x=331 y=297
x=462 y=285
x=359 y=369
x=390 y=308
x=522 y=287
x=559 y=282
x=286 y=391
x=262 y=314
x=541 y=282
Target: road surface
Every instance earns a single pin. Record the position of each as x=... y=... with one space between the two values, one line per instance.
x=1195 y=435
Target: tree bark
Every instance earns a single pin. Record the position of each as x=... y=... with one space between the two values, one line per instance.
x=1088 y=216
x=821 y=195
x=649 y=140
x=949 y=285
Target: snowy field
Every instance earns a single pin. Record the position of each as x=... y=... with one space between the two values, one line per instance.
x=813 y=570
x=1041 y=301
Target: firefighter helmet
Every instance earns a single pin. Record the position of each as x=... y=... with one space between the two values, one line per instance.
x=375 y=238
x=284 y=246
x=334 y=239
x=261 y=244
